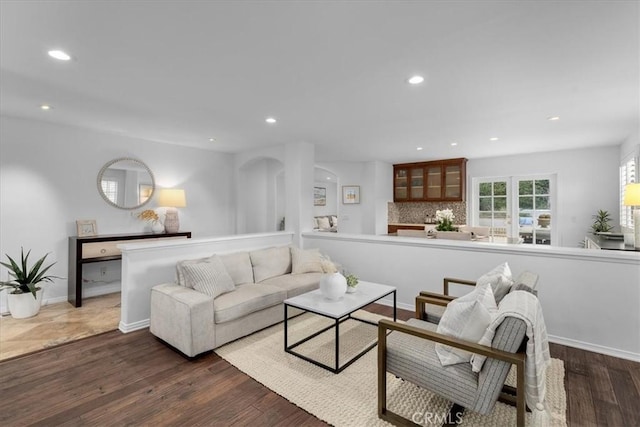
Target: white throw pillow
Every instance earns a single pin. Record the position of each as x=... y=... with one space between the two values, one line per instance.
x=305 y=261
x=500 y=280
x=466 y=318
x=323 y=223
x=210 y=277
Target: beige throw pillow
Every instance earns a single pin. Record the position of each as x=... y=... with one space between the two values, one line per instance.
x=180 y=268
x=323 y=223
x=466 y=318
x=239 y=267
x=210 y=277
x=272 y=262
x=306 y=261
x=500 y=279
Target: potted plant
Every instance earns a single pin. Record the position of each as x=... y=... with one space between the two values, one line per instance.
x=352 y=282
x=544 y=220
x=444 y=220
x=25 y=298
x=601 y=222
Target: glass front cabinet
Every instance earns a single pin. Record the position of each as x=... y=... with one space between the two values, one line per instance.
x=441 y=180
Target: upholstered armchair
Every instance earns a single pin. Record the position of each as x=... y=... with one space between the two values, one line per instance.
x=408 y=351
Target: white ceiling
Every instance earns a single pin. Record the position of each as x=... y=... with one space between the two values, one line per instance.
x=332 y=73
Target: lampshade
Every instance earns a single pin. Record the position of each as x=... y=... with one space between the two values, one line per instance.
x=172 y=198
x=632 y=195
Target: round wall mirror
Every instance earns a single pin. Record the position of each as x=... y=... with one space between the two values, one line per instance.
x=126 y=183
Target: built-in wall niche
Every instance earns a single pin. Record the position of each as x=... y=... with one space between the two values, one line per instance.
x=325 y=182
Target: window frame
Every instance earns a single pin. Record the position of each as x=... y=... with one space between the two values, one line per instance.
x=513 y=227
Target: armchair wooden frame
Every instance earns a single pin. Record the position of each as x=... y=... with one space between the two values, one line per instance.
x=514 y=396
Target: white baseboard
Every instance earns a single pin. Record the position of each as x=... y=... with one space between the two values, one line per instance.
x=596 y=348
x=130 y=327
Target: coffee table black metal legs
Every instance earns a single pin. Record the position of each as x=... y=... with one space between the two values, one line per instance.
x=337 y=367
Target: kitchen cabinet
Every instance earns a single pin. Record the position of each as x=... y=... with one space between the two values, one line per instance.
x=435 y=181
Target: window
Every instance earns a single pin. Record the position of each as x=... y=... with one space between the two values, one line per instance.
x=627 y=176
x=529 y=199
x=493 y=205
x=110 y=189
x=534 y=210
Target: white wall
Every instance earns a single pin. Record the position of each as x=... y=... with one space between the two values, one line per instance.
x=590 y=299
x=258 y=199
x=587 y=180
x=48 y=176
x=376 y=190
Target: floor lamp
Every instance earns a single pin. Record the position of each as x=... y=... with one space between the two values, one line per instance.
x=171 y=198
x=632 y=198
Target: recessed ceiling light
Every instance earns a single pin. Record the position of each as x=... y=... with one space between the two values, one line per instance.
x=419 y=148
x=453 y=144
x=270 y=120
x=59 y=54
x=415 y=80
x=329 y=178
x=211 y=140
x=493 y=138
x=45 y=107
x=553 y=118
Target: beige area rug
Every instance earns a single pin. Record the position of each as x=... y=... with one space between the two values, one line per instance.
x=350 y=398
x=57 y=324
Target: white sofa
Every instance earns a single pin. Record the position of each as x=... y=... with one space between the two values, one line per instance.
x=195 y=322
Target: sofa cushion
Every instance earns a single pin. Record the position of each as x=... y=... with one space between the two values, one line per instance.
x=466 y=318
x=246 y=299
x=208 y=277
x=179 y=269
x=295 y=284
x=305 y=261
x=239 y=267
x=271 y=262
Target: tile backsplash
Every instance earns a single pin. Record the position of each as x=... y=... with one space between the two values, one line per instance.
x=418 y=212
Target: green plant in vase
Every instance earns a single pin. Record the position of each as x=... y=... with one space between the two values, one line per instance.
x=25 y=281
x=352 y=282
x=601 y=222
x=444 y=220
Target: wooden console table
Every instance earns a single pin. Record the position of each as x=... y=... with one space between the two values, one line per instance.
x=84 y=250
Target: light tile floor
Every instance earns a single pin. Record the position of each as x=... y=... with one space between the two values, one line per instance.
x=58 y=323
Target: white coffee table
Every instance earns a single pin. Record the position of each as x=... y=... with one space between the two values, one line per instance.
x=339 y=311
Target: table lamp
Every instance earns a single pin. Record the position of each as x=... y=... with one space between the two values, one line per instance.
x=171 y=198
x=632 y=198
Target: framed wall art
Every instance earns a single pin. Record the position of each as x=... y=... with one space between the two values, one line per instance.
x=319 y=196
x=350 y=194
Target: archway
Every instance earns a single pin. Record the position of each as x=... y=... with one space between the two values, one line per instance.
x=261 y=195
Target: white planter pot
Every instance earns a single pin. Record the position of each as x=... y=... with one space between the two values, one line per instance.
x=22 y=306
x=333 y=286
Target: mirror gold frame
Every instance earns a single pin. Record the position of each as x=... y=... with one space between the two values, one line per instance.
x=144 y=190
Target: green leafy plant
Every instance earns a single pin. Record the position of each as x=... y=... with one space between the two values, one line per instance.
x=25 y=279
x=352 y=280
x=601 y=222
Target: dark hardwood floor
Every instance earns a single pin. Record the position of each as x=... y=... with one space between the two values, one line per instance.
x=134 y=379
